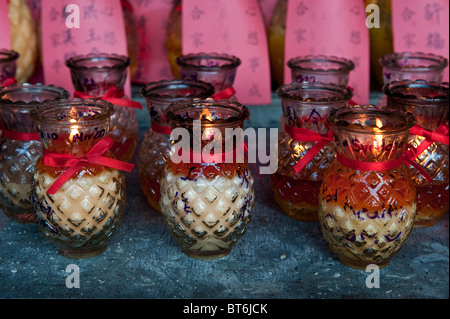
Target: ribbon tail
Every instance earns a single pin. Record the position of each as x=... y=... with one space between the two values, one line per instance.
x=123 y=102
x=64 y=177
x=112 y=163
x=418 y=167
x=224 y=94
x=309 y=156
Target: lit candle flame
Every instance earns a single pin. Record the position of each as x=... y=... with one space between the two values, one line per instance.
x=208 y=133
x=378 y=142
x=206 y=115
x=73 y=129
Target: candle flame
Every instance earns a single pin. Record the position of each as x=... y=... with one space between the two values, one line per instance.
x=73 y=129
x=206 y=115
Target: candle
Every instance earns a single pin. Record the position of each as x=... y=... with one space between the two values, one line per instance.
x=367 y=199
x=207 y=205
x=78 y=189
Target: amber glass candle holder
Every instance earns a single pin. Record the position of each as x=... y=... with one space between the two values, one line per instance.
x=218 y=69
x=154 y=150
x=207 y=204
x=94 y=75
x=429 y=102
x=306 y=106
x=320 y=68
x=367 y=198
x=20 y=145
x=84 y=212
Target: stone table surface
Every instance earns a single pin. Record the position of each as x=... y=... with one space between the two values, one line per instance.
x=277 y=258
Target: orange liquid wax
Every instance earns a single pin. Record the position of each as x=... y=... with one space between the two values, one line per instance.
x=152 y=191
x=432 y=204
x=298 y=198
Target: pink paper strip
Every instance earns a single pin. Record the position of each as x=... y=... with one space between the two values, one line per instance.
x=330 y=27
x=101 y=31
x=234 y=27
x=5 y=32
x=152 y=20
x=421 y=26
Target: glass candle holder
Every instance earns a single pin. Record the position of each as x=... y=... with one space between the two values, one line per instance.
x=8 y=67
x=305 y=147
x=428 y=102
x=321 y=68
x=96 y=76
x=78 y=197
x=367 y=198
x=20 y=146
x=413 y=66
x=207 y=203
x=218 y=69
x=154 y=150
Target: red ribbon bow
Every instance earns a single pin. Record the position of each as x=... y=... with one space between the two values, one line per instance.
x=306 y=135
x=440 y=135
x=9 y=81
x=113 y=95
x=73 y=163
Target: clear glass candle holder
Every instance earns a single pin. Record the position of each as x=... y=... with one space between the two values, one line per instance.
x=154 y=150
x=428 y=102
x=207 y=204
x=367 y=198
x=321 y=68
x=20 y=146
x=94 y=75
x=218 y=69
x=82 y=214
x=306 y=106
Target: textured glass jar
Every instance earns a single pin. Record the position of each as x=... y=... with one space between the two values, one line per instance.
x=320 y=68
x=428 y=102
x=81 y=216
x=8 y=66
x=20 y=146
x=413 y=66
x=94 y=75
x=155 y=147
x=305 y=106
x=367 y=198
x=207 y=204
x=219 y=69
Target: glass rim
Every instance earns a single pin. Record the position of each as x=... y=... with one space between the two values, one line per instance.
x=173 y=110
x=183 y=61
x=345 y=64
x=123 y=61
x=28 y=87
x=336 y=119
x=147 y=90
x=388 y=61
x=346 y=93
x=391 y=90
x=41 y=112
x=7 y=55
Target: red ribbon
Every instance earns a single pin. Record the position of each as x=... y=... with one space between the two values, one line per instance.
x=113 y=95
x=162 y=129
x=73 y=163
x=440 y=135
x=12 y=135
x=306 y=135
x=9 y=81
x=381 y=166
x=224 y=94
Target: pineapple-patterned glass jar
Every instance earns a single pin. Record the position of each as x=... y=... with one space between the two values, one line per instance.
x=399 y=66
x=20 y=146
x=219 y=69
x=102 y=76
x=321 y=68
x=155 y=147
x=8 y=67
x=367 y=198
x=207 y=203
x=78 y=189
x=305 y=146
x=428 y=102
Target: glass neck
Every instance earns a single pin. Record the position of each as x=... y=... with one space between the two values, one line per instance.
x=96 y=82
